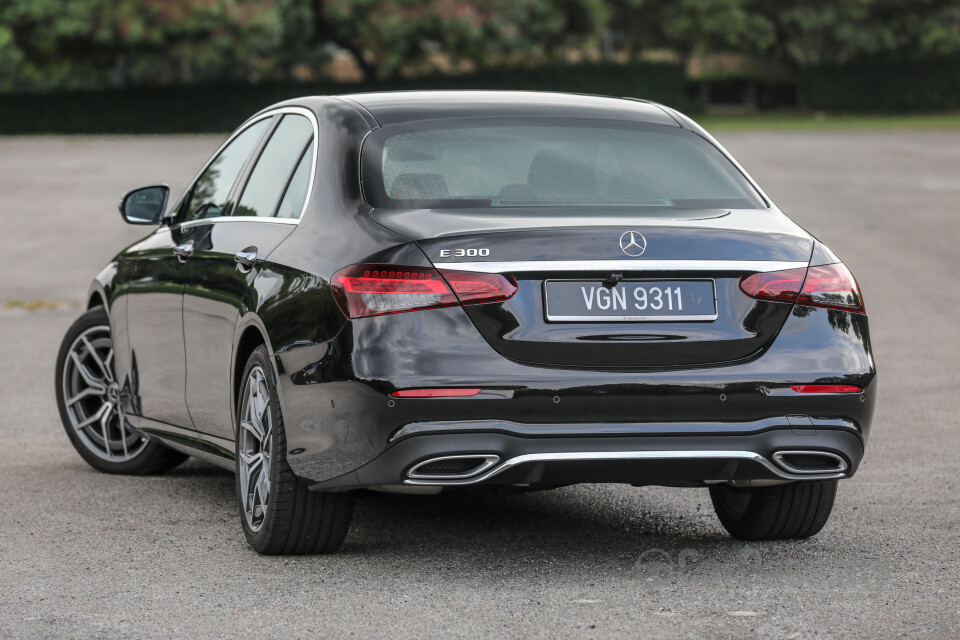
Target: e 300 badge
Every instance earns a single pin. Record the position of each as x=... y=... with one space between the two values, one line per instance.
x=464 y=253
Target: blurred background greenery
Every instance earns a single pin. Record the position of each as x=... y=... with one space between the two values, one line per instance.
x=141 y=66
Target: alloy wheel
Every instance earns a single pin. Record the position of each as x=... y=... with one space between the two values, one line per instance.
x=92 y=397
x=254 y=449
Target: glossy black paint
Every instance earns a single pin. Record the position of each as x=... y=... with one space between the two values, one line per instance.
x=217 y=291
x=414 y=350
x=518 y=328
x=149 y=293
x=183 y=325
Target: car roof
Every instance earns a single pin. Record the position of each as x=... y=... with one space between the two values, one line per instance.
x=408 y=106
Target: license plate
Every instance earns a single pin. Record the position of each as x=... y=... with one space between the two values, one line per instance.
x=631 y=301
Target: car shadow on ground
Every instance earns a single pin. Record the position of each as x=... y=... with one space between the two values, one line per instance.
x=570 y=518
x=478 y=531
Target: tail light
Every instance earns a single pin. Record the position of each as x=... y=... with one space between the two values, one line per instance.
x=364 y=290
x=830 y=286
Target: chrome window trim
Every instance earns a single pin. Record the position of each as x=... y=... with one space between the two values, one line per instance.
x=746 y=456
x=246 y=125
x=520 y=266
x=220 y=219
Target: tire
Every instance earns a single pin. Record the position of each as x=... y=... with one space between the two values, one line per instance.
x=291 y=519
x=780 y=512
x=88 y=396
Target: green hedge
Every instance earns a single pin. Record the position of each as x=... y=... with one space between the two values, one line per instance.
x=221 y=107
x=878 y=86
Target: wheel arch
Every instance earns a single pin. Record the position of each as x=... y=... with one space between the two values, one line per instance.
x=102 y=291
x=96 y=300
x=250 y=334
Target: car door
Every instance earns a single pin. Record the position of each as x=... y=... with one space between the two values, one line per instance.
x=155 y=274
x=269 y=198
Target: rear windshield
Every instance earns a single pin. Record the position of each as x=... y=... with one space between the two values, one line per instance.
x=545 y=162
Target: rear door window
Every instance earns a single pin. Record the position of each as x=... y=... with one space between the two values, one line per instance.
x=274 y=168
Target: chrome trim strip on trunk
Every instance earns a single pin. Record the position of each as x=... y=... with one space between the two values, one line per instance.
x=746 y=456
x=520 y=266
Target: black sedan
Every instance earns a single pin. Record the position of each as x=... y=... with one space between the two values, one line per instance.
x=416 y=292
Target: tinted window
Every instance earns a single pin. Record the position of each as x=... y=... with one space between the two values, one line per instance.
x=209 y=197
x=276 y=163
x=292 y=203
x=547 y=162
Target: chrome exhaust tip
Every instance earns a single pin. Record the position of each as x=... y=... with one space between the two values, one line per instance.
x=809 y=462
x=452 y=467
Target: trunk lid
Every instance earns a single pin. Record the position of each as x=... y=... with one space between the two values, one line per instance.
x=571 y=259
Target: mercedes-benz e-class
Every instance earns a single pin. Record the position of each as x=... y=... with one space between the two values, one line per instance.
x=432 y=290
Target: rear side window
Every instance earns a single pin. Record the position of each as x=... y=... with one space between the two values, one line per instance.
x=296 y=193
x=209 y=196
x=274 y=168
x=540 y=162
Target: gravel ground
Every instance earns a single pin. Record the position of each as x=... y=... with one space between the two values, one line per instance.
x=89 y=555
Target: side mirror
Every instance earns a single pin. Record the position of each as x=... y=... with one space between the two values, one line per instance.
x=145 y=205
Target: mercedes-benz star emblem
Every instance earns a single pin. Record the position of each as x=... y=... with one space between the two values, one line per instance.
x=633 y=244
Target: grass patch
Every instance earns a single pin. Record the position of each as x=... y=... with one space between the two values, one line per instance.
x=37 y=305
x=828 y=122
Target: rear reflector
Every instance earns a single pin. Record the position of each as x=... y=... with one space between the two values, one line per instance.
x=435 y=393
x=826 y=388
x=364 y=290
x=830 y=286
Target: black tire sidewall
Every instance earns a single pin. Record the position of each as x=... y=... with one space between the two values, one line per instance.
x=260 y=357
x=154 y=457
x=795 y=510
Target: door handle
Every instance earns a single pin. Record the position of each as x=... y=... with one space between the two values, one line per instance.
x=183 y=251
x=245 y=259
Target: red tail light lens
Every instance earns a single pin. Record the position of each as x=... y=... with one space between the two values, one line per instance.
x=476 y=288
x=365 y=290
x=830 y=286
x=778 y=286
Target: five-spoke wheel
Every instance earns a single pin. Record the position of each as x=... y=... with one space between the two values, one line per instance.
x=91 y=407
x=254 y=447
x=93 y=398
x=280 y=514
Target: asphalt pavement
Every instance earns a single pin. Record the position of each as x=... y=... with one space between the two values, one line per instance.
x=87 y=555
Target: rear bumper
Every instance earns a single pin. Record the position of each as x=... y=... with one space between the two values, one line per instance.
x=343 y=426
x=627 y=453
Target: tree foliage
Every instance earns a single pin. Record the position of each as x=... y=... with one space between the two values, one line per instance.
x=84 y=43
x=385 y=36
x=691 y=27
x=809 y=32
x=93 y=43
